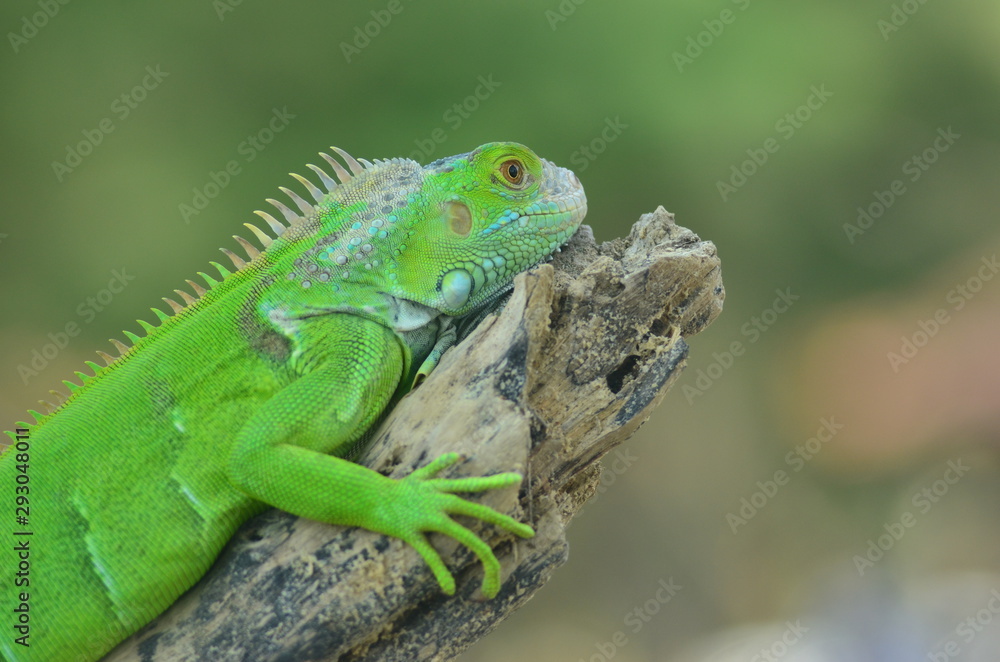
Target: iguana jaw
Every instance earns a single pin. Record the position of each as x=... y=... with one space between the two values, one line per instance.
x=563 y=190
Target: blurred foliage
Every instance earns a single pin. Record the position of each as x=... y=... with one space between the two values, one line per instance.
x=571 y=78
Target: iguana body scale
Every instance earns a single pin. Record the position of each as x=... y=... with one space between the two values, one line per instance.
x=246 y=397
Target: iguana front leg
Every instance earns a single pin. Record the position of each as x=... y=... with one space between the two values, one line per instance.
x=457 y=330
x=445 y=339
x=348 y=373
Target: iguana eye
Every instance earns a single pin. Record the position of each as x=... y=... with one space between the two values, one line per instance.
x=513 y=171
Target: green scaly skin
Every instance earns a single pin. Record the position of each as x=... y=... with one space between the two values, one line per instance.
x=244 y=398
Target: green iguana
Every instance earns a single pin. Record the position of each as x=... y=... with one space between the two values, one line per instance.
x=245 y=397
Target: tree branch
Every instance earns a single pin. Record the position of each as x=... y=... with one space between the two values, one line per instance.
x=583 y=351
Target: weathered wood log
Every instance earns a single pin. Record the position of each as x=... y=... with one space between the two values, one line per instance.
x=582 y=352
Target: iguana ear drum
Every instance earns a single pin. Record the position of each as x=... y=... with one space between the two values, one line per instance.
x=456 y=286
x=459 y=218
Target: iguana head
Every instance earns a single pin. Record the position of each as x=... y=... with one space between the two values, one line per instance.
x=480 y=219
x=450 y=235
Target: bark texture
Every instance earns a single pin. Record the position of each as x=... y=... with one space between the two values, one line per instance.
x=582 y=352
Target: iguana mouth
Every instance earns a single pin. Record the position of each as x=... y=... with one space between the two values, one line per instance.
x=567 y=204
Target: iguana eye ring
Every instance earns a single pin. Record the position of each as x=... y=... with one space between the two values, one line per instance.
x=513 y=171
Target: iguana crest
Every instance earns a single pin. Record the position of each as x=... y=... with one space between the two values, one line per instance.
x=306 y=212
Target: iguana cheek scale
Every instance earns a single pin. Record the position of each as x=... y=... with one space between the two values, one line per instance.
x=246 y=396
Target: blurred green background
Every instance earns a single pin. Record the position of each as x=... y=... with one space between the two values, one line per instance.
x=763 y=126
